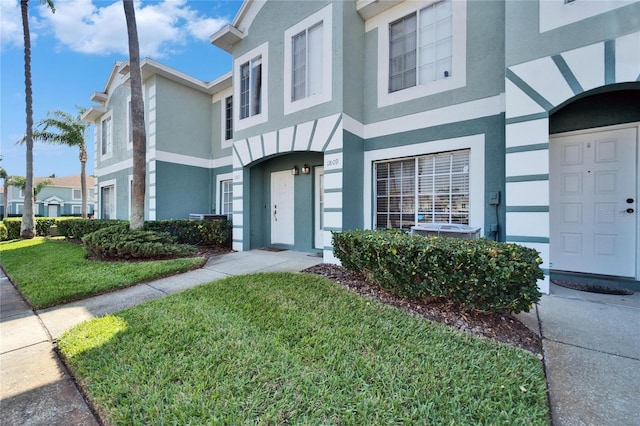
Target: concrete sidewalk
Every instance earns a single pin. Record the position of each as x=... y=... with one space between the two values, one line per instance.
x=591 y=346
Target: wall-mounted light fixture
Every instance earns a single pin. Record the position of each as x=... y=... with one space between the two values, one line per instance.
x=306 y=169
x=295 y=171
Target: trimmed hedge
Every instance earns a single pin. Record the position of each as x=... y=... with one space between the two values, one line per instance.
x=13 y=227
x=194 y=232
x=479 y=273
x=4 y=234
x=120 y=242
x=43 y=224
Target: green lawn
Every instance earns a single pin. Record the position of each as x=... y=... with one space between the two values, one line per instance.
x=49 y=272
x=298 y=349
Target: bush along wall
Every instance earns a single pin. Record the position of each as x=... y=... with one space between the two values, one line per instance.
x=43 y=224
x=479 y=273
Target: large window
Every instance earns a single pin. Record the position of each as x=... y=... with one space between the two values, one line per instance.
x=421 y=47
x=106 y=136
x=306 y=63
x=427 y=189
x=226 y=198
x=251 y=88
x=77 y=194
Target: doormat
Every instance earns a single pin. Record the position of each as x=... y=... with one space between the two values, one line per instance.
x=274 y=249
x=593 y=288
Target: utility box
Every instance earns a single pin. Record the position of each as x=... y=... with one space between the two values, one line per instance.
x=454 y=230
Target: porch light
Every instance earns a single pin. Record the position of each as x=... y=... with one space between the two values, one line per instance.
x=295 y=171
x=306 y=169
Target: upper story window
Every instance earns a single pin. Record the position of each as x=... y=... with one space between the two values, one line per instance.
x=250 y=89
x=77 y=194
x=420 y=47
x=106 y=137
x=228 y=118
x=308 y=61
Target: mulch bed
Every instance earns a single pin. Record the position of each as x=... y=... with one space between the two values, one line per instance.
x=498 y=327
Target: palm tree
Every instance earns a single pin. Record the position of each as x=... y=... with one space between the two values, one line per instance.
x=27 y=227
x=21 y=182
x=137 y=120
x=70 y=132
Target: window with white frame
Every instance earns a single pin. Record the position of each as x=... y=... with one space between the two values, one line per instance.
x=21 y=193
x=308 y=61
x=228 y=118
x=107 y=202
x=421 y=46
x=19 y=208
x=251 y=88
x=431 y=188
x=77 y=194
x=226 y=198
x=106 y=140
x=75 y=209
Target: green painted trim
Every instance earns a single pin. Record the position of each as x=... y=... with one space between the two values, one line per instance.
x=527 y=148
x=332 y=171
x=526 y=239
x=333 y=132
x=529 y=117
x=313 y=132
x=333 y=190
x=527 y=209
x=527 y=178
x=529 y=91
x=609 y=62
x=333 y=210
x=568 y=74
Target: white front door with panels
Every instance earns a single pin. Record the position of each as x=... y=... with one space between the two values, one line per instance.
x=282 y=208
x=53 y=210
x=319 y=208
x=593 y=181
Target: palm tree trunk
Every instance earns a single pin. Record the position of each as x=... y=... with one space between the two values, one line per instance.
x=83 y=180
x=28 y=216
x=137 y=120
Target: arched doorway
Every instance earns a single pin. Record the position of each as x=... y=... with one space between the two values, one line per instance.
x=593 y=183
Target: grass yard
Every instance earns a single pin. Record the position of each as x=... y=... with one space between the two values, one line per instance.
x=49 y=272
x=299 y=349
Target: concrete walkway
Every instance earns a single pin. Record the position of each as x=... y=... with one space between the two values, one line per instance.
x=591 y=346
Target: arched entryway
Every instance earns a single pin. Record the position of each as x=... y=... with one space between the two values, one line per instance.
x=593 y=183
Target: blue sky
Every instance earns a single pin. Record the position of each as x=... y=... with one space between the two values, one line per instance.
x=73 y=52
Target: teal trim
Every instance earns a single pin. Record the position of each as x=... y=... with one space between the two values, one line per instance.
x=527 y=209
x=237 y=198
x=529 y=91
x=527 y=178
x=326 y=228
x=293 y=137
x=334 y=151
x=262 y=143
x=249 y=149
x=568 y=75
x=333 y=132
x=638 y=79
x=527 y=148
x=332 y=209
x=609 y=61
x=526 y=239
x=332 y=190
x=546 y=271
x=330 y=248
x=529 y=117
x=313 y=132
x=332 y=171
x=237 y=154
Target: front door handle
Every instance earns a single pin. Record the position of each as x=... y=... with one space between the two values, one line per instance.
x=630 y=200
x=630 y=211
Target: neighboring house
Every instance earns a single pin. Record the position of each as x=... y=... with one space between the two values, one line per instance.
x=520 y=118
x=62 y=197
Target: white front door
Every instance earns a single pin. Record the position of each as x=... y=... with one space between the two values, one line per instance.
x=318 y=190
x=593 y=210
x=53 y=210
x=282 y=206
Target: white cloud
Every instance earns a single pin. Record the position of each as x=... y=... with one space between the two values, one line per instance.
x=99 y=27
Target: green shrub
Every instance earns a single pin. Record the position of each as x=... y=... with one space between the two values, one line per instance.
x=4 y=234
x=195 y=232
x=119 y=242
x=479 y=273
x=78 y=228
x=13 y=227
x=43 y=224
